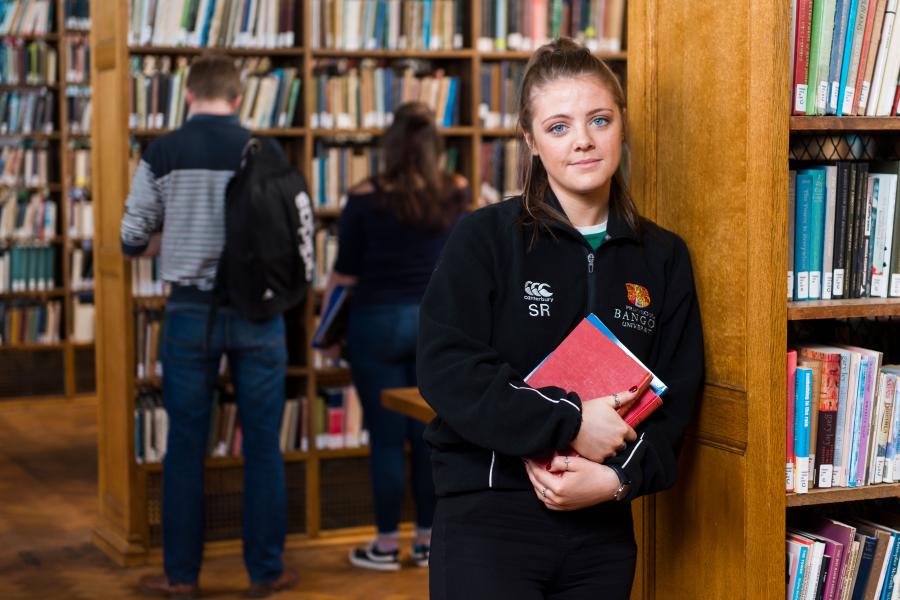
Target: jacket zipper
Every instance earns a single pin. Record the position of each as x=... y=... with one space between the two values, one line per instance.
x=590 y=280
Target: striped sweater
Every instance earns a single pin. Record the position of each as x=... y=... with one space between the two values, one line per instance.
x=179 y=189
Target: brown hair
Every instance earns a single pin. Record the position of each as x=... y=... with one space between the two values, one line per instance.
x=214 y=77
x=564 y=58
x=411 y=151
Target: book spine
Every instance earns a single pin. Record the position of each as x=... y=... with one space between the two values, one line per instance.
x=801 y=433
x=792 y=213
x=803 y=234
x=828 y=237
x=791 y=411
x=842 y=11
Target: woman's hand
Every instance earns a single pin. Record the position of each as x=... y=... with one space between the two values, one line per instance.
x=603 y=432
x=572 y=482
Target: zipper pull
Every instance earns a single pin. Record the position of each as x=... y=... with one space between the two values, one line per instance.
x=590 y=258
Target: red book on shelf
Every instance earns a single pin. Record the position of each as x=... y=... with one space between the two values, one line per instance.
x=593 y=363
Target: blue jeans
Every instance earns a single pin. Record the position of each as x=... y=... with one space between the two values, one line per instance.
x=257 y=359
x=381 y=341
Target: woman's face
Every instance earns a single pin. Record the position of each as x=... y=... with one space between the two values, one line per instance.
x=577 y=131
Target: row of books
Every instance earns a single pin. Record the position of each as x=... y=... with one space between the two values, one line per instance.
x=158 y=93
x=27 y=17
x=78 y=14
x=27 y=112
x=527 y=24
x=31 y=63
x=213 y=23
x=147 y=338
x=27 y=322
x=78 y=103
x=81 y=269
x=78 y=58
x=845 y=58
x=28 y=267
x=843 y=227
x=83 y=320
x=854 y=558
x=500 y=83
x=351 y=95
x=336 y=423
x=326 y=254
x=27 y=216
x=81 y=216
x=499 y=170
x=25 y=164
x=388 y=24
x=843 y=429
x=145 y=278
x=337 y=168
x=79 y=157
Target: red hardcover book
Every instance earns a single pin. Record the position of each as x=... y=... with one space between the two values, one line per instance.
x=801 y=93
x=593 y=363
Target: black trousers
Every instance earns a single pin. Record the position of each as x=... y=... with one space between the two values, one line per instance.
x=497 y=545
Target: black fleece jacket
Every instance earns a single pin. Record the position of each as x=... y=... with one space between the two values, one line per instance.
x=495 y=308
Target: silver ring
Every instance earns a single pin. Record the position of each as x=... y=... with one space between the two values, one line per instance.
x=616 y=402
x=544 y=491
x=566 y=458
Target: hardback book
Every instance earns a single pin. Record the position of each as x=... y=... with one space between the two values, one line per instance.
x=593 y=363
x=334 y=319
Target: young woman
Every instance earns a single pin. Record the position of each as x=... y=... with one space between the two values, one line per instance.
x=391 y=232
x=514 y=279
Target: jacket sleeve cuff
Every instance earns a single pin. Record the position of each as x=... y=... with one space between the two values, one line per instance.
x=630 y=460
x=133 y=249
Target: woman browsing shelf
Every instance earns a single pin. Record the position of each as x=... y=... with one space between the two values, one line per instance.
x=514 y=279
x=391 y=232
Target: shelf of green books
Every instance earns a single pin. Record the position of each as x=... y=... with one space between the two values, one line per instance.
x=233 y=51
x=526 y=54
x=841 y=494
x=828 y=124
x=843 y=309
x=363 y=132
x=337 y=53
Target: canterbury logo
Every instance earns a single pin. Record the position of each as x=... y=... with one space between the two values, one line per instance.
x=540 y=290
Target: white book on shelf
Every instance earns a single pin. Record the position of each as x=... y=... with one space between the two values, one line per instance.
x=884 y=45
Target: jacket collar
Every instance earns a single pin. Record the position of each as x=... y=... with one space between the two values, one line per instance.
x=616 y=226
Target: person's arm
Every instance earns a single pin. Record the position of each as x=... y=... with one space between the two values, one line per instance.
x=469 y=385
x=650 y=461
x=144 y=212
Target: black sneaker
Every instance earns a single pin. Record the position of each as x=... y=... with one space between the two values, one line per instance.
x=420 y=554
x=370 y=557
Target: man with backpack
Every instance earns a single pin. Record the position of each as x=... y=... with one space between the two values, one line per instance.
x=232 y=224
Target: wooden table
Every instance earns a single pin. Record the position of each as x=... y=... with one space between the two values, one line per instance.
x=407 y=401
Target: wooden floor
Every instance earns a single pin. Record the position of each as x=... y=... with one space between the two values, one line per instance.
x=48 y=475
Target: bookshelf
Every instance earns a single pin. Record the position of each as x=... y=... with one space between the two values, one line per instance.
x=328 y=489
x=61 y=370
x=716 y=158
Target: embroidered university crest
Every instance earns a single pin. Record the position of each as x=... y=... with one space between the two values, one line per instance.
x=638 y=295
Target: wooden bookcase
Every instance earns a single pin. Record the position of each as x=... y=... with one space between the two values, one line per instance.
x=715 y=135
x=64 y=371
x=328 y=490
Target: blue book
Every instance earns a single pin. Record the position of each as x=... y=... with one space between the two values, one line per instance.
x=426 y=24
x=802 y=415
x=801 y=569
x=380 y=35
x=857 y=418
x=848 y=51
x=888 y=589
x=802 y=235
x=841 y=13
x=816 y=233
x=450 y=109
x=207 y=21
x=865 y=565
x=334 y=319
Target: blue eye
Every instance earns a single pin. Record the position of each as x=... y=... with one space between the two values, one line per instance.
x=600 y=121
x=558 y=129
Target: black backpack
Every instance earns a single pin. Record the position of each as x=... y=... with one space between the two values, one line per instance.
x=267 y=262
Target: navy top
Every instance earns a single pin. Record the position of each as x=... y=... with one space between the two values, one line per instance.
x=393 y=260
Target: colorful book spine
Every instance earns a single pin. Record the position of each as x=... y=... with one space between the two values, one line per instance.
x=803 y=399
